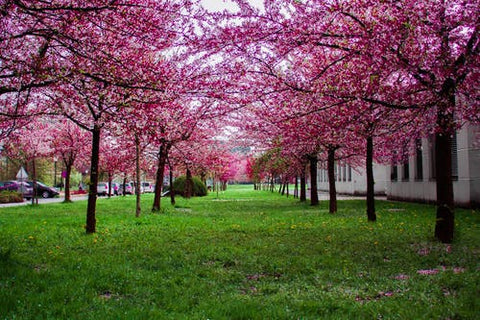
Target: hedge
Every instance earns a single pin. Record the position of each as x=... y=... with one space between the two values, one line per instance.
x=199 y=188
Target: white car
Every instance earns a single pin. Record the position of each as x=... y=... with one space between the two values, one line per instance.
x=102 y=189
x=147 y=187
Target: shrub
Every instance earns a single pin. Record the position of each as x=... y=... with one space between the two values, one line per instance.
x=199 y=188
x=10 y=196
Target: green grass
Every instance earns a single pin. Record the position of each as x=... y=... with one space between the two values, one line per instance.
x=244 y=255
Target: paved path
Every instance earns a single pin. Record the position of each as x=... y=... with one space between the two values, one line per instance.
x=323 y=195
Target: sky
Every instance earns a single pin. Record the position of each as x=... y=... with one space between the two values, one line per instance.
x=219 y=5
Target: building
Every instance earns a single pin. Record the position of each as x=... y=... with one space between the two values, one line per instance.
x=415 y=180
x=353 y=181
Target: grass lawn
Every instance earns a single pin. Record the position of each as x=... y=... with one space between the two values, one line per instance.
x=244 y=255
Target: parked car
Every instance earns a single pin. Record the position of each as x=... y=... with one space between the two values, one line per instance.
x=147 y=187
x=25 y=189
x=115 y=187
x=102 y=189
x=128 y=189
x=9 y=185
x=43 y=190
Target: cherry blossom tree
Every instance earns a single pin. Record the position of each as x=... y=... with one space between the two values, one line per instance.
x=70 y=143
x=117 y=62
x=423 y=55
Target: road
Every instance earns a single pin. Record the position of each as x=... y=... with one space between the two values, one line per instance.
x=42 y=201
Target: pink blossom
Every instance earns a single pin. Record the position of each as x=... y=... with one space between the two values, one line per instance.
x=428 y=271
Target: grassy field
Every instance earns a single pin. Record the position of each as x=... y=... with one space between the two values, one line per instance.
x=244 y=255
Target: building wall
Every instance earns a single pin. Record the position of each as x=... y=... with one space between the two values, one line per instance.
x=466 y=186
x=353 y=181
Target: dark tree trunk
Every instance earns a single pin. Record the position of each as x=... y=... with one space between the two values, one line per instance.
x=370 y=182
x=313 y=181
x=138 y=207
x=125 y=183
x=162 y=159
x=203 y=177
x=188 y=191
x=288 y=191
x=110 y=184
x=331 y=180
x=445 y=222
x=303 y=187
x=92 y=190
x=35 y=186
x=68 y=169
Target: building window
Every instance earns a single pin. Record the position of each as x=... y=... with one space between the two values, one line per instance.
x=406 y=172
x=344 y=174
x=454 y=157
x=349 y=173
x=433 y=167
x=336 y=171
x=394 y=173
x=418 y=161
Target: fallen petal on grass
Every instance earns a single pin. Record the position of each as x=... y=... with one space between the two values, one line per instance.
x=428 y=271
x=402 y=277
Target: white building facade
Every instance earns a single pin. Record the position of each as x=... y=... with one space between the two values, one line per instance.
x=415 y=180
x=353 y=181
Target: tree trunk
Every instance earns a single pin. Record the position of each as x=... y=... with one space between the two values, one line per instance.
x=162 y=160
x=303 y=188
x=109 y=184
x=68 y=169
x=445 y=222
x=288 y=191
x=332 y=190
x=188 y=191
x=92 y=190
x=313 y=181
x=124 y=182
x=35 y=186
x=370 y=182
x=138 y=207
